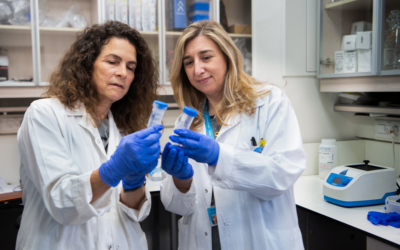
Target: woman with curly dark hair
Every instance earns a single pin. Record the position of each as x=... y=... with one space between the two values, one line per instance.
x=89 y=134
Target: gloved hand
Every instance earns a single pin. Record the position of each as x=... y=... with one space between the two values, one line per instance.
x=176 y=163
x=136 y=154
x=199 y=147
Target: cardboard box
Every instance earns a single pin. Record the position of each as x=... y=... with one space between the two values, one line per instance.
x=135 y=14
x=364 y=60
x=177 y=15
x=121 y=11
x=349 y=42
x=364 y=40
x=360 y=26
x=350 y=62
x=240 y=29
x=339 y=62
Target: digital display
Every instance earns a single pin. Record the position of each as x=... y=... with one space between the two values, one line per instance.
x=337 y=180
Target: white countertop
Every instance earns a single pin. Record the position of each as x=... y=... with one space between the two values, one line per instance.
x=308 y=194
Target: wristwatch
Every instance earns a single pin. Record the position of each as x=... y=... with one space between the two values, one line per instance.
x=136 y=188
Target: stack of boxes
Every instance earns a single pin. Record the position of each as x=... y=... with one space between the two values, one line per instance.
x=139 y=14
x=356 y=53
x=177 y=14
x=199 y=10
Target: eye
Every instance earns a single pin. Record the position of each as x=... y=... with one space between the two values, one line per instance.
x=187 y=63
x=131 y=69
x=206 y=57
x=111 y=62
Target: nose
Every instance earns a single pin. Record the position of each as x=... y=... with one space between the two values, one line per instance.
x=198 y=67
x=121 y=70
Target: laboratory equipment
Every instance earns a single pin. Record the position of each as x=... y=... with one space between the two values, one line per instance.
x=359 y=185
x=157 y=113
x=327 y=157
x=392 y=204
x=185 y=120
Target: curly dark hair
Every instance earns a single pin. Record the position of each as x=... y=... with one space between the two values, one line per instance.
x=72 y=80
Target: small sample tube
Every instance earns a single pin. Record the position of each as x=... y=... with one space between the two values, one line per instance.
x=186 y=119
x=157 y=113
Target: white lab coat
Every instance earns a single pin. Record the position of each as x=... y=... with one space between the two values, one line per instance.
x=59 y=150
x=253 y=192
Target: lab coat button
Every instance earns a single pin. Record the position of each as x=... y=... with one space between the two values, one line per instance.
x=206 y=233
x=226 y=224
x=206 y=191
x=98 y=140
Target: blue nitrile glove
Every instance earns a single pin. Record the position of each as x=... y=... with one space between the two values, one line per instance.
x=135 y=155
x=176 y=163
x=199 y=147
x=391 y=219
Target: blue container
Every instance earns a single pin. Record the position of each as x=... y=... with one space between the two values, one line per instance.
x=199 y=6
x=197 y=16
x=177 y=12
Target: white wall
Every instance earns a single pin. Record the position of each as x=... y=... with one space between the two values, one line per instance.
x=9 y=155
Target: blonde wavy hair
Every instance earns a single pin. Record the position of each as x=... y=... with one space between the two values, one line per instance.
x=240 y=89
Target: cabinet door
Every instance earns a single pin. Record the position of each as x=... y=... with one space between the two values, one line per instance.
x=59 y=23
x=389 y=38
x=16 y=54
x=346 y=31
x=327 y=234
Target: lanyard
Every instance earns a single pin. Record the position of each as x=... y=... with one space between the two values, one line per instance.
x=207 y=122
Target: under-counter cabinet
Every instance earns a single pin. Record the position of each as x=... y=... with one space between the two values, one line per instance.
x=320 y=232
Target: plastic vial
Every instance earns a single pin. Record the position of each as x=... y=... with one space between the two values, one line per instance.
x=186 y=119
x=157 y=113
x=327 y=157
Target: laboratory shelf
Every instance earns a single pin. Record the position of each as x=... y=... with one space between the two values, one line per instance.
x=347 y=5
x=178 y=33
x=367 y=109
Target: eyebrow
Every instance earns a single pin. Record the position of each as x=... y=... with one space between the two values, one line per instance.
x=201 y=53
x=118 y=57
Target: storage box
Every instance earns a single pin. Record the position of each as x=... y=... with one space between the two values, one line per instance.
x=349 y=42
x=121 y=11
x=177 y=14
x=339 y=62
x=200 y=6
x=350 y=61
x=364 y=60
x=197 y=16
x=135 y=14
x=360 y=26
x=109 y=9
x=240 y=29
x=364 y=40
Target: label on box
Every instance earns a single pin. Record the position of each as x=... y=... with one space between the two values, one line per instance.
x=350 y=61
x=339 y=62
x=325 y=157
x=360 y=26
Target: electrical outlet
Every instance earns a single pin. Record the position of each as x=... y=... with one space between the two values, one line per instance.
x=383 y=127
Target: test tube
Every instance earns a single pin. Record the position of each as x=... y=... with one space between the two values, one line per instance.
x=157 y=113
x=186 y=119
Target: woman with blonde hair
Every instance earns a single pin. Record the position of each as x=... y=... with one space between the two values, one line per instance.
x=241 y=156
x=85 y=149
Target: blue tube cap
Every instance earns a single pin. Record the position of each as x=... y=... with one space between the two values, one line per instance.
x=160 y=104
x=189 y=111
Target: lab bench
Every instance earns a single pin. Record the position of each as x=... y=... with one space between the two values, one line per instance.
x=328 y=226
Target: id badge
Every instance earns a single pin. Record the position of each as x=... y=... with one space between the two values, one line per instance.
x=212 y=215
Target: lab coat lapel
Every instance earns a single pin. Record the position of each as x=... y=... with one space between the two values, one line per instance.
x=115 y=135
x=86 y=123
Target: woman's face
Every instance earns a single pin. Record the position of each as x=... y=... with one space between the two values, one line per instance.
x=114 y=70
x=205 y=66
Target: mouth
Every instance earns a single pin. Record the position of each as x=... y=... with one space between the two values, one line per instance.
x=117 y=85
x=204 y=80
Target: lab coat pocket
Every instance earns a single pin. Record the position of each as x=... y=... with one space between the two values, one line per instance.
x=244 y=145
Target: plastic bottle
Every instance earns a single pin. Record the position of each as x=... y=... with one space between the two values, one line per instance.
x=327 y=157
x=157 y=113
x=186 y=119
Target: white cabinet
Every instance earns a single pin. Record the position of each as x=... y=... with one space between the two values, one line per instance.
x=300 y=37
x=33 y=51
